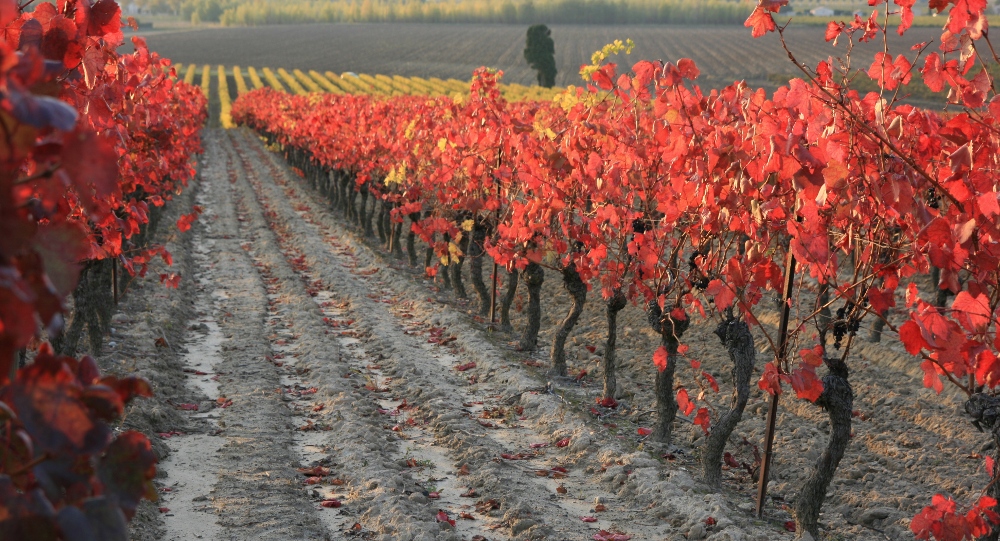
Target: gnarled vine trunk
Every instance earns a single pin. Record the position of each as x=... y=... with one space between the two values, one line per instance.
x=397 y=243
x=411 y=240
x=380 y=223
x=578 y=290
x=369 y=217
x=838 y=400
x=985 y=412
x=352 y=209
x=508 y=299
x=363 y=218
x=386 y=218
x=670 y=330
x=446 y=271
x=456 y=268
x=735 y=335
x=477 y=255
x=533 y=276
x=613 y=305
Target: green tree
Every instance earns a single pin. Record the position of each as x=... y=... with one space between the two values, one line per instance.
x=540 y=52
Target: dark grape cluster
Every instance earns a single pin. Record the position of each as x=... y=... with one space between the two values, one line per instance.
x=698 y=279
x=933 y=200
x=848 y=322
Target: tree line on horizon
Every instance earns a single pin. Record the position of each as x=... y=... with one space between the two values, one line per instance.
x=264 y=12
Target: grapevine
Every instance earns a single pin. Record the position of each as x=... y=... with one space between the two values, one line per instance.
x=92 y=140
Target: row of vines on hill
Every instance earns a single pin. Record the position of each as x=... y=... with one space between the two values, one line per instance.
x=696 y=205
x=94 y=141
x=300 y=82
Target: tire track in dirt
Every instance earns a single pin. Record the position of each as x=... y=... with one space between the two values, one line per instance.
x=345 y=435
x=254 y=490
x=192 y=467
x=642 y=495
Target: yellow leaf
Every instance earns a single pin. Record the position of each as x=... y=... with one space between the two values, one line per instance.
x=454 y=250
x=467 y=225
x=409 y=130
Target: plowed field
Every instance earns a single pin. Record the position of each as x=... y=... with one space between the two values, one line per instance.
x=723 y=53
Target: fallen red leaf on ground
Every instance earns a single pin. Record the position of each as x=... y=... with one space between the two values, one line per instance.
x=330 y=504
x=563 y=442
x=316 y=471
x=607 y=402
x=443 y=517
x=518 y=456
x=589 y=519
x=484 y=507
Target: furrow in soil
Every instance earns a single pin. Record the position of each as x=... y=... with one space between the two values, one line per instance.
x=241 y=474
x=348 y=458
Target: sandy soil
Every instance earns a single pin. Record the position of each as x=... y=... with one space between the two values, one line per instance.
x=330 y=404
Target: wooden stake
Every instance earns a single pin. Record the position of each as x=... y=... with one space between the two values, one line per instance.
x=779 y=359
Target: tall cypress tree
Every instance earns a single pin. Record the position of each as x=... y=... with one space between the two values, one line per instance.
x=540 y=52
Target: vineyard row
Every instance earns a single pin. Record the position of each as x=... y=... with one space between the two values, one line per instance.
x=299 y=82
x=698 y=207
x=94 y=144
